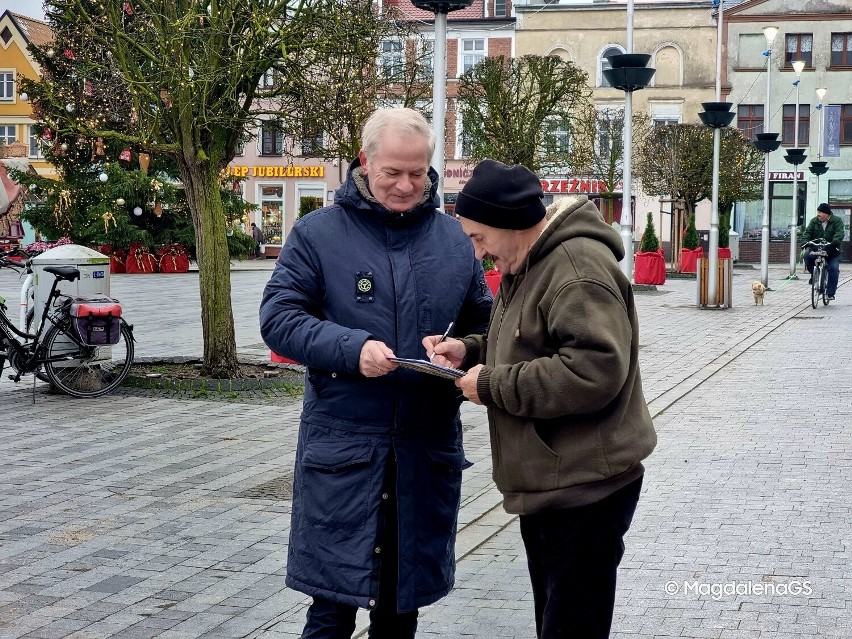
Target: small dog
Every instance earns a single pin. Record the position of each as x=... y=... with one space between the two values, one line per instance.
x=758 y=289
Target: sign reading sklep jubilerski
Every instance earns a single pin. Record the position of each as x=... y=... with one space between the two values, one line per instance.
x=280 y=171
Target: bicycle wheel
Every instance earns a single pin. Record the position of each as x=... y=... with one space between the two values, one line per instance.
x=816 y=275
x=823 y=284
x=88 y=371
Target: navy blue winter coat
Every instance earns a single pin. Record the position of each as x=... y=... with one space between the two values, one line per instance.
x=424 y=275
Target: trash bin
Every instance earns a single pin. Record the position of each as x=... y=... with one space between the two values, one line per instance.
x=94 y=274
x=734 y=245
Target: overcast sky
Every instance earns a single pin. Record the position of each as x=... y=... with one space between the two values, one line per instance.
x=31 y=8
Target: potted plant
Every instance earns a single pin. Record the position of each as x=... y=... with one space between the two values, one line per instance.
x=650 y=264
x=492 y=275
x=691 y=250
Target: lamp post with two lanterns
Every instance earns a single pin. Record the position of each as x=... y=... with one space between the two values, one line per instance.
x=820 y=167
x=766 y=143
x=795 y=156
x=439 y=77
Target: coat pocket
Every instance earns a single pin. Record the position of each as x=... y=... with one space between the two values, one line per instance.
x=336 y=483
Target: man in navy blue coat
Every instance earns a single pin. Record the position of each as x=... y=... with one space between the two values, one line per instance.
x=379 y=458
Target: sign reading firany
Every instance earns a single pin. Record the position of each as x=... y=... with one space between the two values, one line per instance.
x=277 y=171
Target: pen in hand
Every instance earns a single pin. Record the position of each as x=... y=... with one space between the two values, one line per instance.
x=443 y=337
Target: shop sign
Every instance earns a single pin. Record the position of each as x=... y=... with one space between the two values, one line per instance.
x=575 y=185
x=278 y=171
x=783 y=176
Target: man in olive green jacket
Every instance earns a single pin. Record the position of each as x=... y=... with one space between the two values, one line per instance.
x=559 y=374
x=829 y=227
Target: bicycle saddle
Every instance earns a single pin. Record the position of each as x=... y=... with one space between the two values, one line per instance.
x=69 y=273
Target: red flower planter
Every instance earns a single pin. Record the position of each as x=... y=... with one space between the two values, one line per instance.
x=724 y=253
x=689 y=259
x=492 y=278
x=649 y=267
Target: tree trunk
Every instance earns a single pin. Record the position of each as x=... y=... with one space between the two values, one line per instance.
x=201 y=180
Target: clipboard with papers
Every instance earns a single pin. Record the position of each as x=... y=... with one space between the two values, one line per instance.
x=427 y=367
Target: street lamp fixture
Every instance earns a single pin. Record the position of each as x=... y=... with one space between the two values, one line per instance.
x=439 y=77
x=795 y=156
x=819 y=168
x=628 y=72
x=769 y=33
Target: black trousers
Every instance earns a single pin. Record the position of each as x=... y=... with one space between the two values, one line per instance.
x=330 y=620
x=573 y=555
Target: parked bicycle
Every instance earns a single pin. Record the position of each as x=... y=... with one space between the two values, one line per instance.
x=84 y=346
x=819 y=275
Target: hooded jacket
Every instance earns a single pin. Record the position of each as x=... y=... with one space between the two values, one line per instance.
x=833 y=233
x=351 y=272
x=569 y=423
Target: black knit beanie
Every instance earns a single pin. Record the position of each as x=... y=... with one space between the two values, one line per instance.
x=824 y=208
x=501 y=196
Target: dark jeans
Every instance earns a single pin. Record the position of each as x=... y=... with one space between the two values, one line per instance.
x=330 y=620
x=572 y=555
x=833 y=271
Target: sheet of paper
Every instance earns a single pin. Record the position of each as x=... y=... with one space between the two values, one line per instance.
x=425 y=366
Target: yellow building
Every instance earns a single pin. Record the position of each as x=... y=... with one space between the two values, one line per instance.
x=16 y=63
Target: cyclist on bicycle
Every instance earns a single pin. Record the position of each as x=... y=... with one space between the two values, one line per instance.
x=827 y=227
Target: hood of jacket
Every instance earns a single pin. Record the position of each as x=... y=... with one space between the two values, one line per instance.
x=355 y=193
x=574 y=217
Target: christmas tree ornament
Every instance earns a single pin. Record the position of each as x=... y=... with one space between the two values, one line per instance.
x=103 y=177
x=125 y=155
x=51 y=53
x=47 y=134
x=68 y=53
x=108 y=217
x=144 y=161
x=120 y=201
x=137 y=211
x=25 y=97
x=64 y=146
x=88 y=90
x=69 y=107
x=158 y=209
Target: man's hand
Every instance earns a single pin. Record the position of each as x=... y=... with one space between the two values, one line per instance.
x=450 y=352
x=373 y=361
x=467 y=384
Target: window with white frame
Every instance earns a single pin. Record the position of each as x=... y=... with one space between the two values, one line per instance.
x=665 y=113
x=605 y=65
x=7 y=85
x=499 y=8
x=267 y=81
x=462 y=144
x=426 y=63
x=392 y=58
x=36 y=150
x=472 y=53
x=8 y=133
x=555 y=135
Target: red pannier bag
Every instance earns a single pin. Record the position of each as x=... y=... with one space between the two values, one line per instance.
x=96 y=320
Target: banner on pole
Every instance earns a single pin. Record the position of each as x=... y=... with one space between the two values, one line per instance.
x=831 y=128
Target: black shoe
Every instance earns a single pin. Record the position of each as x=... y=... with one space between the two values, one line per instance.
x=830 y=297
x=810 y=281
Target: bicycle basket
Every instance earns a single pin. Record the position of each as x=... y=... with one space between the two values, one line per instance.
x=96 y=320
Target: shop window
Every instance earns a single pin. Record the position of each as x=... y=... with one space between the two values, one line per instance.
x=272 y=213
x=780 y=210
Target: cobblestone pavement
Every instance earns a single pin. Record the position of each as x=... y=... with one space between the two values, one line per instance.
x=144 y=516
